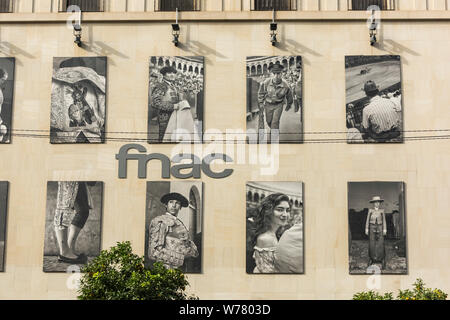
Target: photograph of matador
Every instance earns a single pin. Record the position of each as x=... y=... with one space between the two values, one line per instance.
x=173 y=225
x=175 y=99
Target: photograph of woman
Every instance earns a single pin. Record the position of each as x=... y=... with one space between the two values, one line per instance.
x=6 y=97
x=3 y=78
x=274 y=227
x=73 y=223
x=273 y=214
x=377 y=227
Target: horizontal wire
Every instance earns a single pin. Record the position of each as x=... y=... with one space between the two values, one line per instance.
x=155 y=141
x=244 y=133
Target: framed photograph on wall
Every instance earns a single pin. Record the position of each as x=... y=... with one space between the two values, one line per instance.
x=175 y=99
x=274 y=99
x=7 y=66
x=73 y=223
x=3 y=211
x=174 y=225
x=78 y=107
x=274 y=224
x=377 y=228
x=374 y=99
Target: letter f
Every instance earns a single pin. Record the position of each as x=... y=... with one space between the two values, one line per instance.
x=123 y=157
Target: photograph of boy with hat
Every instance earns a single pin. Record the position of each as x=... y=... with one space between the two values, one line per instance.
x=170 y=235
x=374 y=243
x=274 y=101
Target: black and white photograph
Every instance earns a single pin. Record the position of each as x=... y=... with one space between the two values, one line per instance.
x=78 y=107
x=3 y=211
x=274 y=228
x=175 y=103
x=377 y=228
x=174 y=225
x=374 y=99
x=274 y=99
x=6 y=97
x=73 y=224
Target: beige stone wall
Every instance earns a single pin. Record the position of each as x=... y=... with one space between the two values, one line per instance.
x=325 y=169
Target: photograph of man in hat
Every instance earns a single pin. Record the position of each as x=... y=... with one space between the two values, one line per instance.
x=373 y=99
x=175 y=104
x=380 y=120
x=273 y=95
x=165 y=98
x=169 y=241
x=376 y=229
x=274 y=99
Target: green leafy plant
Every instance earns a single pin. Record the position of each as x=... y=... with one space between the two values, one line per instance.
x=372 y=295
x=119 y=274
x=419 y=292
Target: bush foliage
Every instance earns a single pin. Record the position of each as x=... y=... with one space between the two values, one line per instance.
x=419 y=292
x=118 y=274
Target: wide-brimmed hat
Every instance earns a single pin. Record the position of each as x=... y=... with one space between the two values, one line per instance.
x=276 y=68
x=370 y=86
x=376 y=199
x=168 y=69
x=175 y=196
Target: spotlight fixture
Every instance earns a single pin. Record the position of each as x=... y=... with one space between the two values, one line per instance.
x=77 y=34
x=373 y=35
x=273 y=30
x=176 y=30
x=373 y=30
x=76 y=23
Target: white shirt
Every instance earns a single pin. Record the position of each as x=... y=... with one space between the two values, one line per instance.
x=380 y=115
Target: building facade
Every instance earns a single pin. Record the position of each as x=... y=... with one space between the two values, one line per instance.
x=225 y=32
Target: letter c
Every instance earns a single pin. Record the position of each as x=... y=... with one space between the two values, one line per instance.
x=206 y=166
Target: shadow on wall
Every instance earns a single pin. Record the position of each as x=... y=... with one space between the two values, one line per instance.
x=10 y=50
x=197 y=48
x=295 y=48
x=100 y=48
x=395 y=48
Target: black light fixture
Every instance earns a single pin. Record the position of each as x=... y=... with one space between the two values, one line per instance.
x=76 y=24
x=373 y=29
x=176 y=30
x=273 y=30
x=77 y=34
